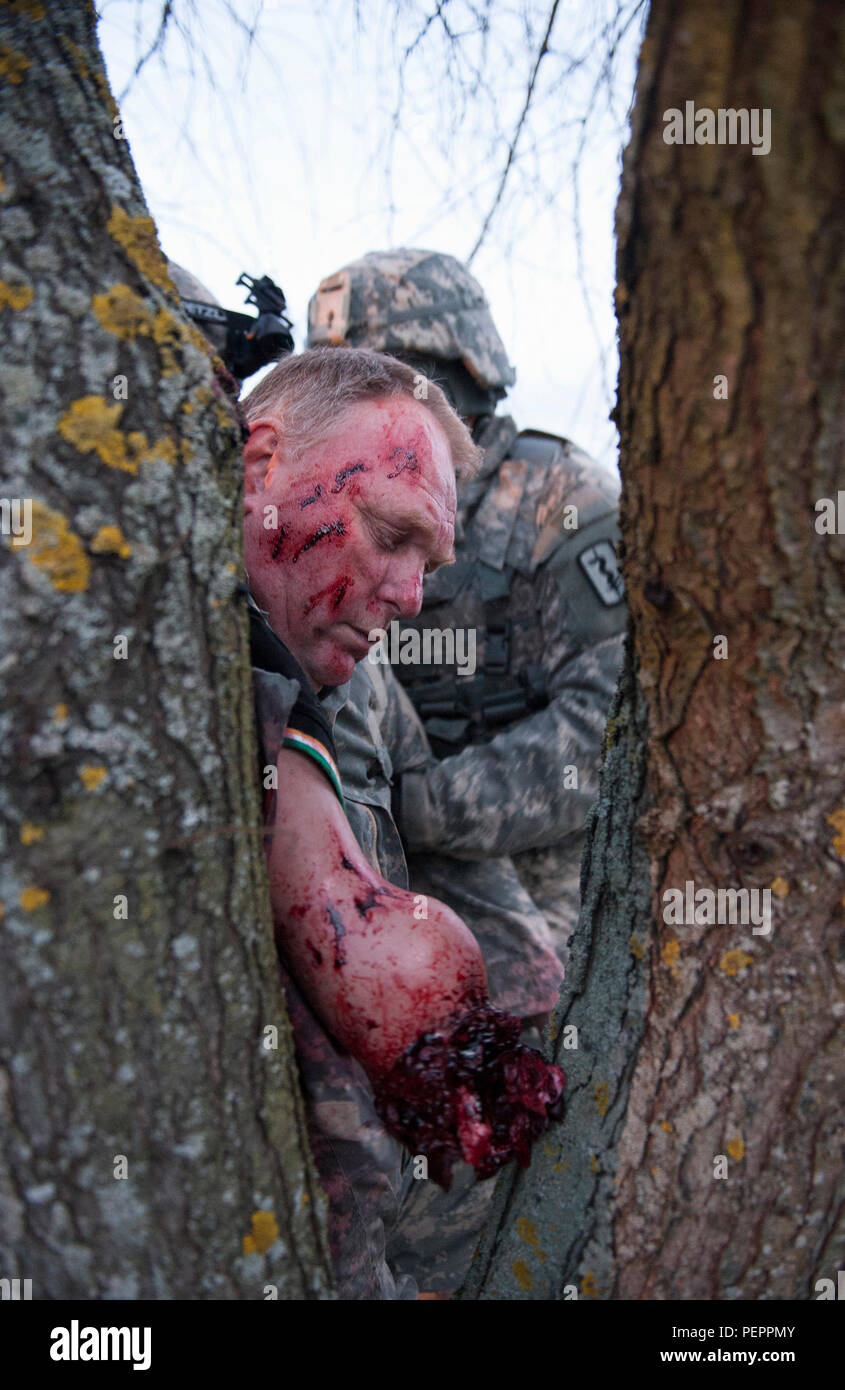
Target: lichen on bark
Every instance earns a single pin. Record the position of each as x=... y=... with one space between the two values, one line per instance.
x=139 y=967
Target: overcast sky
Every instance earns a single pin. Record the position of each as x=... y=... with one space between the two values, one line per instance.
x=302 y=148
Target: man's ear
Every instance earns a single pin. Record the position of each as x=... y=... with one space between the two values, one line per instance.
x=262 y=452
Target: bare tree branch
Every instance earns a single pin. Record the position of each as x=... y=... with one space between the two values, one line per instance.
x=544 y=48
x=151 y=51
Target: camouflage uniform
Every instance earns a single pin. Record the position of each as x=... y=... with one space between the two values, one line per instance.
x=510 y=793
x=492 y=825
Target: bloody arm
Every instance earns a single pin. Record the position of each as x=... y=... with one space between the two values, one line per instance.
x=406 y=994
x=376 y=974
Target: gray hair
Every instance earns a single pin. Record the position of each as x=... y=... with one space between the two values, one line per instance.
x=310 y=391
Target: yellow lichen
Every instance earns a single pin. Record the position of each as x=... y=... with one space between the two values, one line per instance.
x=30 y=833
x=637 y=947
x=32 y=898
x=77 y=55
x=523 y=1276
x=110 y=540
x=122 y=312
x=527 y=1231
x=733 y=1020
x=105 y=92
x=588 y=1285
x=671 y=955
x=90 y=425
x=601 y=1094
x=611 y=731
x=594 y=1163
x=304 y=1200
x=665 y=1125
x=736 y=1148
x=57 y=551
x=30 y=9
x=264 y=1232
x=170 y=333
x=60 y=712
x=837 y=820
x=13 y=65
x=734 y=961
x=91 y=776
x=14 y=296
x=224 y=419
x=163 y=449
x=137 y=236
x=779 y=887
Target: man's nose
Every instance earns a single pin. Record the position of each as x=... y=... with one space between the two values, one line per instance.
x=403 y=590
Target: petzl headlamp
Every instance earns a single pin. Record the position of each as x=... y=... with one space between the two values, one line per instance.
x=249 y=342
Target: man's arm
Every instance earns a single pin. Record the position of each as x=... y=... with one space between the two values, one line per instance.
x=377 y=975
x=514 y=793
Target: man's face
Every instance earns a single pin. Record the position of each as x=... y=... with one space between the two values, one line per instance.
x=338 y=542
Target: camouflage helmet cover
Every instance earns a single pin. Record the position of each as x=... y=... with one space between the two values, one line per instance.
x=421 y=302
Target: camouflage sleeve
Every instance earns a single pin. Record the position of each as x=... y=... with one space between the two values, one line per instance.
x=530 y=785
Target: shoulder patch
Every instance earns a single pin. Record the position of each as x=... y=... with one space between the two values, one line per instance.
x=601 y=567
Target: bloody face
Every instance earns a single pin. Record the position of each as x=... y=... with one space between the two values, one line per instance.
x=339 y=540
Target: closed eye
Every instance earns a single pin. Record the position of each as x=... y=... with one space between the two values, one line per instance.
x=390 y=538
x=385 y=536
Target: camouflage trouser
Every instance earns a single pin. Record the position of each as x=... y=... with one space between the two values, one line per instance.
x=358 y=1163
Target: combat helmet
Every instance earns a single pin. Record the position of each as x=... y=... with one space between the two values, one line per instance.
x=194 y=292
x=421 y=306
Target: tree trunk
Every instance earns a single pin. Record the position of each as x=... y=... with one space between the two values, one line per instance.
x=153 y=1136
x=701 y=1153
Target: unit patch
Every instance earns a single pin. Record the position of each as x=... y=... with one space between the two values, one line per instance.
x=601 y=567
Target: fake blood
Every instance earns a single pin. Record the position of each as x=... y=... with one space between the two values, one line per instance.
x=339 y=933
x=328 y=528
x=335 y=591
x=470 y=1090
x=279 y=539
x=341 y=478
x=404 y=459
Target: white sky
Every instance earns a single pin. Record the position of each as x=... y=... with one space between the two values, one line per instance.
x=277 y=158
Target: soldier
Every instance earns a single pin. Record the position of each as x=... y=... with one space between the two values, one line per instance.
x=517 y=745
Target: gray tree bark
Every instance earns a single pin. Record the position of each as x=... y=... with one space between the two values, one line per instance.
x=707 y=1049
x=153 y=1139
